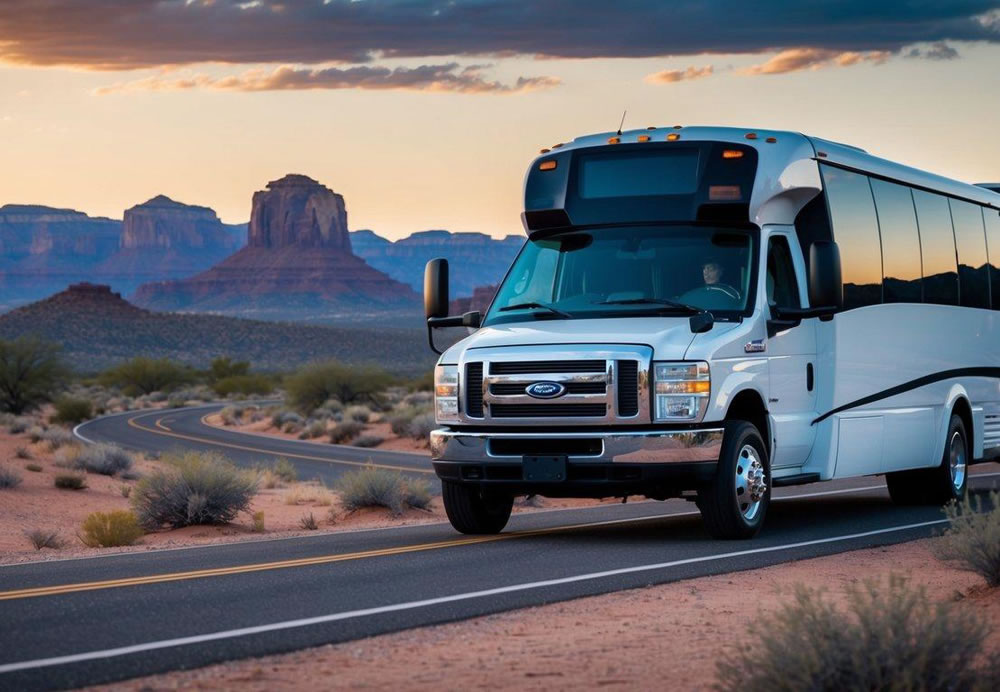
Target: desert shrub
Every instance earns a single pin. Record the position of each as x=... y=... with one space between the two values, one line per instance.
x=422 y=425
x=30 y=373
x=72 y=410
x=309 y=494
x=70 y=481
x=230 y=415
x=110 y=529
x=282 y=418
x=22 y=452
x=9 y=478
x=330 y=409
x=243 y=384
x=125 y=490
x=176 y=401
x=314 y=384
x=345 y=431
x=224 y=367
x=315 y=429
x=358 y=414
x=34 y=468
x=43 y=538
x=147 y=375
x=368 y=441
x=65 y=458
x=972 y=541
x=890 y=638
x=424 y=399
x=268 y=479
x=105 y=459
x=308 y=522
x=377 y=487
x=258 y=522
x=285 y=470
x=57 y=437
x=400 y=420
x=19 y=425
x=35 y=433
x=196 y=488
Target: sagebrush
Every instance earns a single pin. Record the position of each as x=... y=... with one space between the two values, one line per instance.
x=70 y=481
x=890 y=637
x=195 y=488
x=105 y=459
x=71 y=410
x=9 y=478
x=44 y=538
x=373 y=486
x=972 y=541
x=110 y=529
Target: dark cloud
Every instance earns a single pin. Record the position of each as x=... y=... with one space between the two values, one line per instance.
x=450 y=77
x=936 y=51
x=127 y=34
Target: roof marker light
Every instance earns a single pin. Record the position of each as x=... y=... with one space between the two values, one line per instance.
x=644 y=138
x=548 y=165
x=556 y=146
x=771 y=140
x=544 y=151
x=751 y=135
x=673 y=137
x=677 y=127
x=651 y=127
x=732 y=154
x=821 y=154
x=613 y=140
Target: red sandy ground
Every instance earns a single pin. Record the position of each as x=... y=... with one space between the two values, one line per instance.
x=662 y=637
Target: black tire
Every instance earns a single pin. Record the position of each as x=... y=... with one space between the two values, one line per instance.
x=935 y=486
x=470 y=510
x=725 y=511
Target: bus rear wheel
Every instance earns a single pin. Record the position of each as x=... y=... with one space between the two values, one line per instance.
x=947 y=481
x=471 y=510
x=733 y=505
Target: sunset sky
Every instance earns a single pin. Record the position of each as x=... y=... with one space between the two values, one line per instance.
x=425 y=113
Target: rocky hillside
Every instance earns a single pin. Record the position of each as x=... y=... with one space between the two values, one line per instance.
x=97 y=328
x=297 y=262
x=474 y=259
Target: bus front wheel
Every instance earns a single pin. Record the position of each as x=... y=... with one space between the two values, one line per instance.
x=471 y=510
x=733 y=505
x=947 y=481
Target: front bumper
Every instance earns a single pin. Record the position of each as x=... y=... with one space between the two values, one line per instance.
x=656 y=463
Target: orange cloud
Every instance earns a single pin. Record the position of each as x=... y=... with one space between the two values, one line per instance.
x=671 y=76
x=796 y=59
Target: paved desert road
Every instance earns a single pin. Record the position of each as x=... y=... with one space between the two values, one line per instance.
x=86 y=621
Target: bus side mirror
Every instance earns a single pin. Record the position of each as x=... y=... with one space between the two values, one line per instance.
x=826 y=288
x=436 y=288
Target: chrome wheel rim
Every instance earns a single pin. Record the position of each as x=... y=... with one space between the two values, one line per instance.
x=751 y=483
x=957 y=461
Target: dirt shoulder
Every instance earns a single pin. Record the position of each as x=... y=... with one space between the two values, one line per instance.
x=662 y=636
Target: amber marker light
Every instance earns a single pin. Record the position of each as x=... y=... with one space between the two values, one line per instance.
x=613 y=140
x=727 y=193
x=751 y=135
x=547 y=165
x=644 y=138
x=732 y=154
x=771 y=140
x=673 y=137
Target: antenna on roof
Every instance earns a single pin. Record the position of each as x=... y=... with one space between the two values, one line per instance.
x=622 y=123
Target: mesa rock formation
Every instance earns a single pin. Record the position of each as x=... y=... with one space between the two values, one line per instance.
x=298 y=262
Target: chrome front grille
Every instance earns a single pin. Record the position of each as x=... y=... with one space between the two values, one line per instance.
x=603 y=384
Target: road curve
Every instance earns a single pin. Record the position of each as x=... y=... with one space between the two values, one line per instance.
x=95 y=620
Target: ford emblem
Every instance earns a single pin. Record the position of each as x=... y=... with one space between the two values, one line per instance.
x=545 y=390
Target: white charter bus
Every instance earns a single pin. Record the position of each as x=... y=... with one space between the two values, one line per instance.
x=713 y=312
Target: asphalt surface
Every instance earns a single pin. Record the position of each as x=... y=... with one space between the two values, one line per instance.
x=94 y=620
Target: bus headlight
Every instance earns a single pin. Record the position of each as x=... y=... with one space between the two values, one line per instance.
x=680 y=391
x=446 y=394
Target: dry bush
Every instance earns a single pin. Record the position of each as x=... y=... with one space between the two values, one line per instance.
x=9 y=478
x=279 y=419
x=23 y=452
x=34 y=468
x=70 y=481
x=422 y=425
x=373 y=486
x=71 y=410
x=105 y=459
x=358 y=414
x=308 y=522
x=368 y=441
x=285 y=470
x=43 y=538
x=316 y=428
x=245 y=385
x=65 y=458
x=346 y=431
x=309 y=494
x=196 y=488
x=891 y=637
x=231 y=415
x=125 y=490
x=110 y=529
x=972 y=541
x=20 y=424
x=57 y=437
x=258 y=522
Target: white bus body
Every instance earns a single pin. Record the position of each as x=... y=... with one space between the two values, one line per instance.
x=600 y=385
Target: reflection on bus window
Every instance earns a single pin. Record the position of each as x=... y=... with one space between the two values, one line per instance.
x=855 y=229
x=937 y=241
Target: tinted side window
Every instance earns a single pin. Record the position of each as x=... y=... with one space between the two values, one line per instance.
x=782 y=288
x=937 y=241
x=992 y=218
x=970 y=238
x=897 y=223
x=855 y=228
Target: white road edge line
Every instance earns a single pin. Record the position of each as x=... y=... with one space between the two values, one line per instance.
x=412 y=605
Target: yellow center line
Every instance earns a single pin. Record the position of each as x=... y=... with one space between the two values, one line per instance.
x=286 y=564
x=160 y=429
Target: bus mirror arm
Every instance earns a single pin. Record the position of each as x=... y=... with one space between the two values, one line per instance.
x=470 y=319
x=825 y=313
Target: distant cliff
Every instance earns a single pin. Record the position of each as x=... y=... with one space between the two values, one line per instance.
x=474 y=259
x=297 y=264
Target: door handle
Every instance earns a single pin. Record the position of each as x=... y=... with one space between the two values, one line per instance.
x=809 y=377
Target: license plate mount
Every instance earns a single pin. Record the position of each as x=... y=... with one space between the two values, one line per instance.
x=544 y=469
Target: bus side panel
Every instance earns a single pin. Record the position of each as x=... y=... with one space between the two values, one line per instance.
x=898 y=362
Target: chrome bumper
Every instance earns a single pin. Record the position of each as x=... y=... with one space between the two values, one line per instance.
x=630 y=447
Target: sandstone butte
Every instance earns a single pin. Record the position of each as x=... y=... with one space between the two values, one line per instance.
x=298 y=257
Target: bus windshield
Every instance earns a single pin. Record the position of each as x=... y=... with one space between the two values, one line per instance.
x=629 y=271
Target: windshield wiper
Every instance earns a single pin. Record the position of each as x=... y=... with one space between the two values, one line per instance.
x=539 y=306
x=690 y=309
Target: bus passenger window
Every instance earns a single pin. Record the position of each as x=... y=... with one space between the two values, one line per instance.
x=937 y=243
x=782 y=288
x=897 y=222
x=855 y=229
x=992 y=219
x=970 y=238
